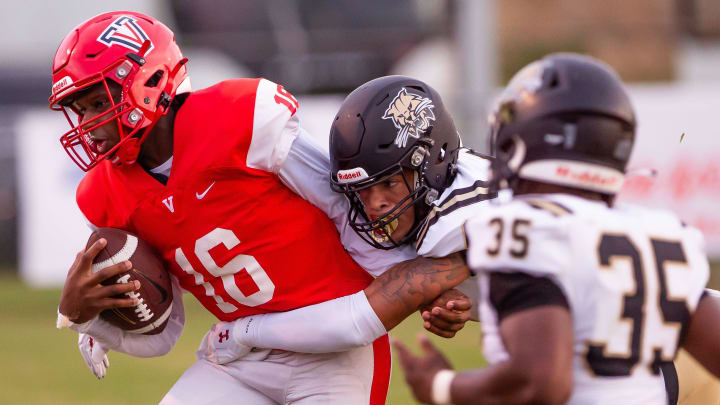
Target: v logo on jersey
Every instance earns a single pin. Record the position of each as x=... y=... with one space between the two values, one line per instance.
x=169 y=203
x=201 y=196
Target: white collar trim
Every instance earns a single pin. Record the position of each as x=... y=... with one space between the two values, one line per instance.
x=164 y=168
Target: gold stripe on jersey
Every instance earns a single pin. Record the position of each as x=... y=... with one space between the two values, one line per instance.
x=449 y=205
x=554 y=208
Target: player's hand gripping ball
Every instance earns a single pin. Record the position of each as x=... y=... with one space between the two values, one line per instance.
x=155 y=294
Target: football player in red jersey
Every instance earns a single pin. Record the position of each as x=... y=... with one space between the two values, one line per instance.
x=216 y=181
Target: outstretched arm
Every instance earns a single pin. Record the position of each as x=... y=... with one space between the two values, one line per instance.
x=539 y=370
x=404 y=288
x=346 y=322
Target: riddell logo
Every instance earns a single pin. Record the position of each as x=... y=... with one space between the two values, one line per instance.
x=345 y=176
x=349 y=176
x=585 y=176
x=62 y=83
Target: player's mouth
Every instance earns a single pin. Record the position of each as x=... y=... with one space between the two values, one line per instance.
x=382 y=234
x=99 y=145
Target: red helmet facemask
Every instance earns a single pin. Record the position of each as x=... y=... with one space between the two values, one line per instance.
x=132 y=50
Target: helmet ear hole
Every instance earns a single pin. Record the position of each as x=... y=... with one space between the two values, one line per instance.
x=154 y=80
x=506 y=147
x=551 y=77
x=443 y=153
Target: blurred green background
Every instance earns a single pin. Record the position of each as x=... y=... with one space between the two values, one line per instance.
x=41 y=365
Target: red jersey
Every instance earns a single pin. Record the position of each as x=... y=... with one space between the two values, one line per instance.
x=229 y=230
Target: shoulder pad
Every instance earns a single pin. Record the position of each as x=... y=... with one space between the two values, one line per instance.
x=518 y=237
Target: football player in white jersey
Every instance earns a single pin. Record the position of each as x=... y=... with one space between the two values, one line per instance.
x=397 y=157
x=583 y=301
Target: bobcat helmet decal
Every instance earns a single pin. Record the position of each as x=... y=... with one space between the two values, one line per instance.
x=411 y=114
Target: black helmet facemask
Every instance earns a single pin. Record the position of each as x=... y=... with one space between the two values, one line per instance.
x=378 y=231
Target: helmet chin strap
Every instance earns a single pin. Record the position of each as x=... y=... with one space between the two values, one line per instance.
x=518 y=154
x=512 y=168
x=129 y=151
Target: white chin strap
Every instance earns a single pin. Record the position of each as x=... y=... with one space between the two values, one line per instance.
x=575 y=174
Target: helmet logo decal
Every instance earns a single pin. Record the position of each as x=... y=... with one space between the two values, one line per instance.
x=586 y=176
x=62 y=84
x=125 y=31
x=411 y=114
x=351 y=175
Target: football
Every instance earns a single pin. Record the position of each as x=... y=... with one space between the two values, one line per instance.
x=155 y=294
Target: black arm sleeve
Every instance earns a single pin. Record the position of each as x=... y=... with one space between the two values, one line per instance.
x=515 y=292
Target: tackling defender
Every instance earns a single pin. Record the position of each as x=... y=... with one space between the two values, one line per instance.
x=609 y=293
x=396 y=156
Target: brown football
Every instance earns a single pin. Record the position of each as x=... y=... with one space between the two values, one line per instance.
x=155 y=294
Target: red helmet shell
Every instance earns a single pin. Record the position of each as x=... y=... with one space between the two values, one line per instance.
x=133 y=50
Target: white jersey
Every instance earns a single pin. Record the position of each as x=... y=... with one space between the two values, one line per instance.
x=631 y=277
x=442 y=232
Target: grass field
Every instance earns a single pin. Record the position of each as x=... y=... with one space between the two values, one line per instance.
x=42 y=365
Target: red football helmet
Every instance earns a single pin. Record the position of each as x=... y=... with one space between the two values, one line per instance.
x=133 y=50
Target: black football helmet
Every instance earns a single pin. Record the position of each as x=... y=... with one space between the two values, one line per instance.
x=566 y=120
x=383 y=126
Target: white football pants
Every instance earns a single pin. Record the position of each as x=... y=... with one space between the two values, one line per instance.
x=357 y=377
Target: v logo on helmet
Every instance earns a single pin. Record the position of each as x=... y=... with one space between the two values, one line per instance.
x=411 y=114
x=125 y=31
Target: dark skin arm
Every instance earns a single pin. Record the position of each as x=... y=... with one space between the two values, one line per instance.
x=409 y=285
x=703 y=334
x=539 y=370
x=83 y=297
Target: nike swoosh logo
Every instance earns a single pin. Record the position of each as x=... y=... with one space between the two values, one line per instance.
x=201 y=196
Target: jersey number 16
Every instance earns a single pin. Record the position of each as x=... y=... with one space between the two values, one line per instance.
x=227 y=273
